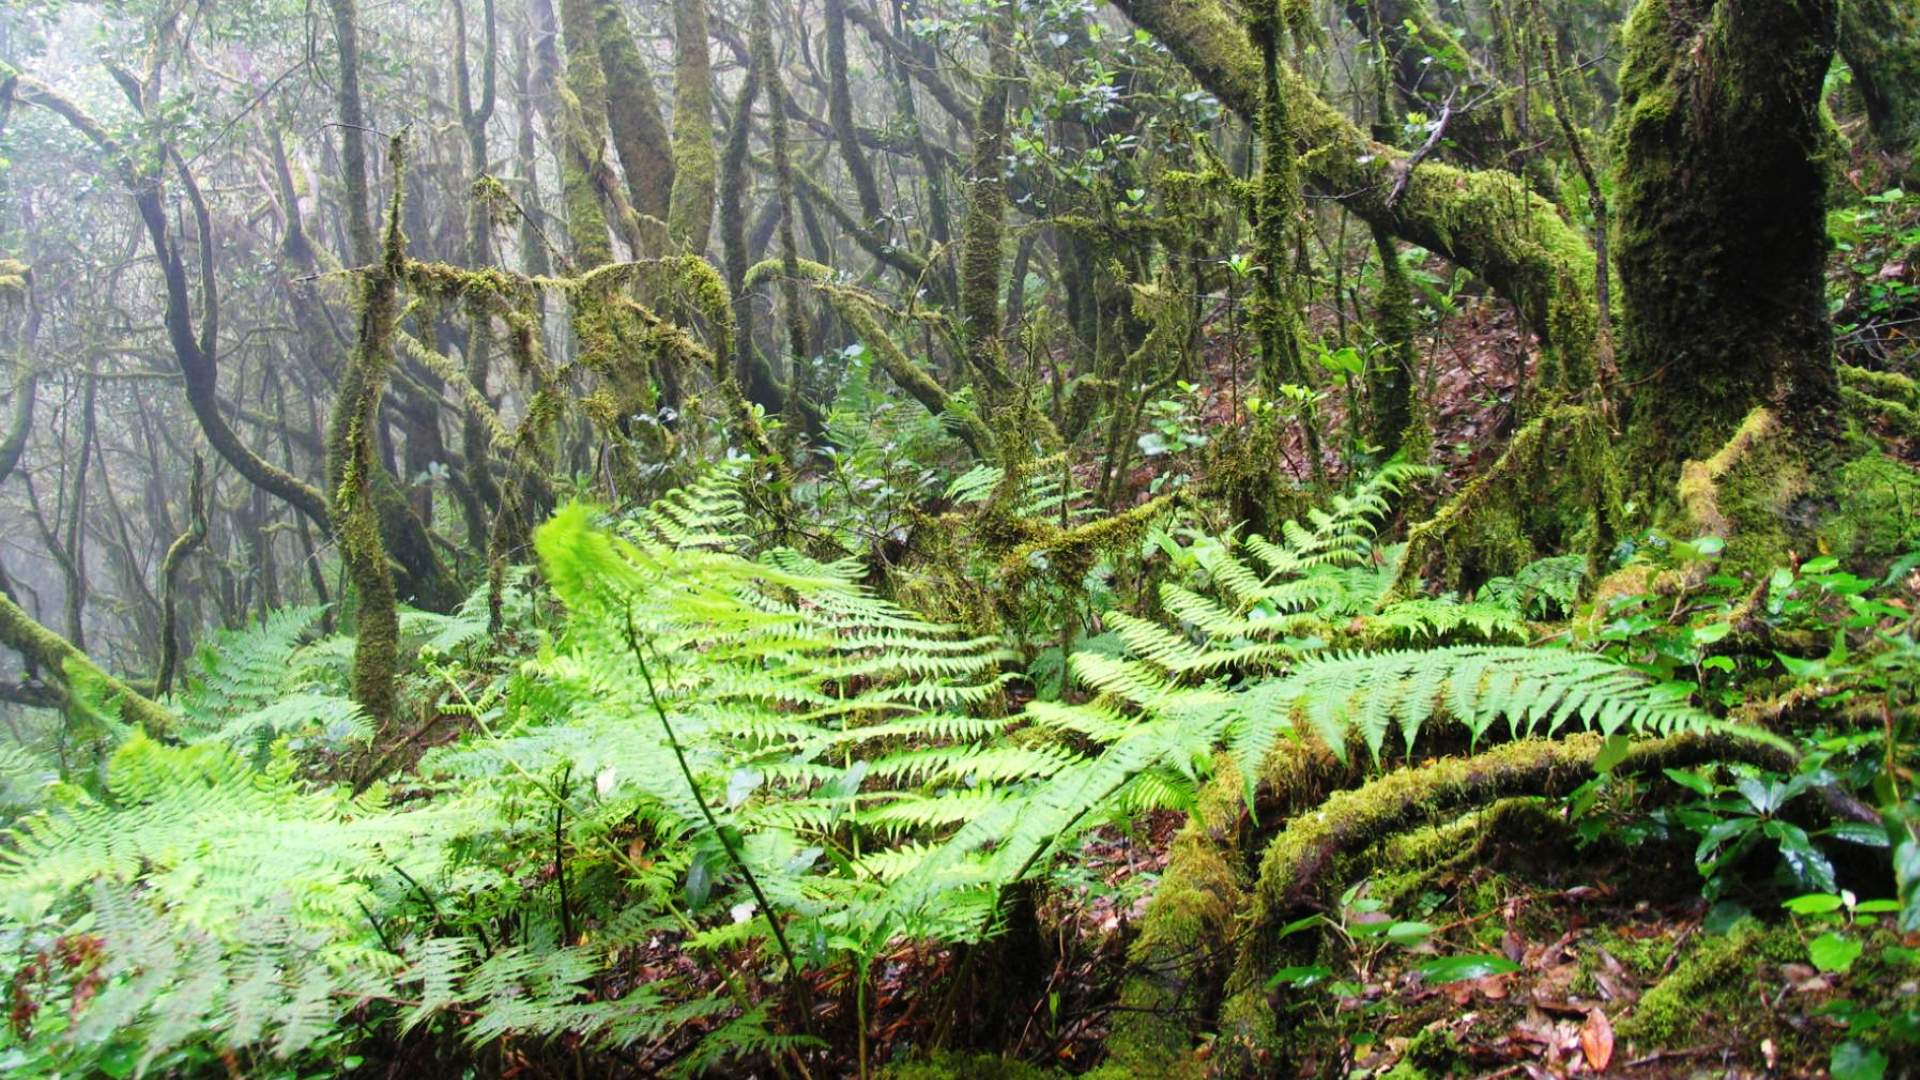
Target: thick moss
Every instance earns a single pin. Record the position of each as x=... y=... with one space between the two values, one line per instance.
x=1294 y=870
x=1720 y=176
x=1554 y=481
x=1878 y=516
x=1880 y=41
x=1715 y=979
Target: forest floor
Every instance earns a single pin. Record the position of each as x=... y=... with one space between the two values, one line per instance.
x=1622 y=966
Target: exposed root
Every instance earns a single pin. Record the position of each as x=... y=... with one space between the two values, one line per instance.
x=1294 y=871
x=1699 y=487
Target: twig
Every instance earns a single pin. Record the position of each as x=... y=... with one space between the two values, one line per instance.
x=1433 y=143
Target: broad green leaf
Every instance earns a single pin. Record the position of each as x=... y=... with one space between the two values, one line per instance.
x=1446 y=969
x=1854 y=1061
x=1831 y=952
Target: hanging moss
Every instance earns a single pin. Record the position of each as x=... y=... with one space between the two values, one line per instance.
x=16 y=278
x=1277 y=210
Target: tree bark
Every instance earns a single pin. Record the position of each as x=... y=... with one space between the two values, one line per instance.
x=1720 y=179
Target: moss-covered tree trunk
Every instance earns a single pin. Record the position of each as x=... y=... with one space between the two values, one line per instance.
x=981 y=236
x=353 y=468
x=633 y=116
x=1720 y=156
x=690 y=203
x=583 y=163
x=1880 y=41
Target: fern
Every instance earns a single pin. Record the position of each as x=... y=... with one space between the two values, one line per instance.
x=846 y=753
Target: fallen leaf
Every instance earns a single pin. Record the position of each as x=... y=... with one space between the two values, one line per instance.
x=1596 y=1040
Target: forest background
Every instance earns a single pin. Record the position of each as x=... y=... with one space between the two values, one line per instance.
x=960 y=537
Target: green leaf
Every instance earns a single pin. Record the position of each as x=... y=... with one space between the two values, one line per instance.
x=1813 y=904
x=1854 y=1061
x=1690 y=780
x=1858 y=832
x=1298 y=925
x=1876 y=907
x=1808 y=865
x=1831 y=952
x=1446 y=969
x=1801 y=669
x=1612 y=752
x=1409 y=933
x=1299 y=976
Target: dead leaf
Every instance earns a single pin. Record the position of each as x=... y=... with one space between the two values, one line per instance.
x=1596 y=1040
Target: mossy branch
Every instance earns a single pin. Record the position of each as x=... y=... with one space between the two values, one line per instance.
x=56 y=655
x=183 y=545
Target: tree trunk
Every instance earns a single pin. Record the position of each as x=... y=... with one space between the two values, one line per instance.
x=1880 y=41
x=690 y=204
x=1721 y=228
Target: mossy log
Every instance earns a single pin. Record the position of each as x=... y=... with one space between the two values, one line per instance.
x=1178 y=962
x=56 y=656
x=1293 y=873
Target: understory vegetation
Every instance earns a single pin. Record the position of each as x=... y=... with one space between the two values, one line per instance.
x=960 y=538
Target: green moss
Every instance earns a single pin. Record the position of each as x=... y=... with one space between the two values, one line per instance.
x=1723 y=299
x=1714 y=984
x=1554 y=483
x=690 y=204
x=15 y=278
x=1430 y=1053
x=967 y=1067
x=1878 y=516
x=1176 y=963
